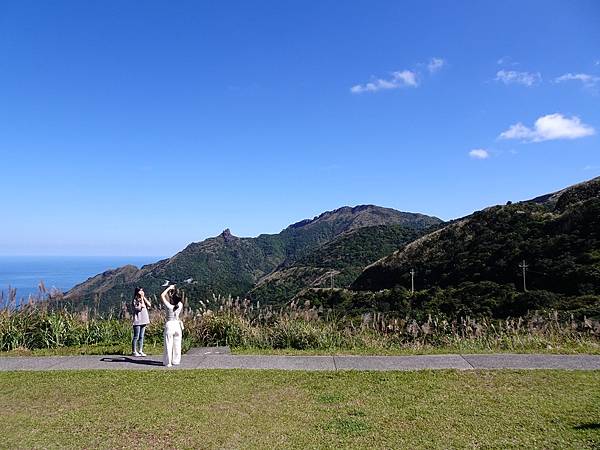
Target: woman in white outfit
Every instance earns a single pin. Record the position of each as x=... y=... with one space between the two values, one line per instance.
x=173 y=301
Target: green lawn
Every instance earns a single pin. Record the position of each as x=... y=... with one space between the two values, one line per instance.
x=271 y=409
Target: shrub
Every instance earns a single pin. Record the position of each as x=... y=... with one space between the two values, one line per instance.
x=301 y=325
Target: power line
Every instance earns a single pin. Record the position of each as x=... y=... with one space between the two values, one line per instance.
x=524 y=266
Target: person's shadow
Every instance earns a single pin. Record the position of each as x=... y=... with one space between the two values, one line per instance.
x=588 y=426
x=125 y=359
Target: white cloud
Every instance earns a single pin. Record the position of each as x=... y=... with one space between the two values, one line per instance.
x=514 y=77
x=586 y=79
x=518 y=131
x=549 y=127
x=400 y=79
x=479 y=153
x=506 y=61
x=407 y=77
x=435 y=64
x=590 y=167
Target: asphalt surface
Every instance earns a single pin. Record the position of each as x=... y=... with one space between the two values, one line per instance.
x=220 y=358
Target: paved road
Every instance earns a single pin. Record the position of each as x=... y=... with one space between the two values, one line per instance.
x=220 y=358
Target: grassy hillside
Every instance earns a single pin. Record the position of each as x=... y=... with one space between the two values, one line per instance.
x=342 y=259
x=227 y=264
x=559 y=239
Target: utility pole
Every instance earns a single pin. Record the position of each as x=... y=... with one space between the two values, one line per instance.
x=331 y=275
x=412 y=281
x=524 y=266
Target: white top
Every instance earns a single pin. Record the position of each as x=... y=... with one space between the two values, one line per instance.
x=140 y=313
x=173 y=315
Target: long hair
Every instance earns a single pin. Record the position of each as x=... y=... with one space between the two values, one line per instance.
x=136 y=293
x=176 y=297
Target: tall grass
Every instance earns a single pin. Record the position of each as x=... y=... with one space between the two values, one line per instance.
x=46 y=322
x=239 y=323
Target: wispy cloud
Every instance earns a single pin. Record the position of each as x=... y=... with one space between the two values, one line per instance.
x=587 y=79
x=514 y=77
x=479 y=153
x=435 y=64
x=407 y=78
x=590 y=167
x=400 y=79
x=549 y=127
x=506 y=61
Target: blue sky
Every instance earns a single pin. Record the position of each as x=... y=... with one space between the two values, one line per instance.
x=134 y=128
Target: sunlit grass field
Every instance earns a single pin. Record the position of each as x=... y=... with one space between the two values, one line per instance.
x=38 y=330
x=276 y=409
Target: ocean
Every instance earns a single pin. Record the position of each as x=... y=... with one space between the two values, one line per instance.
x=61 y=272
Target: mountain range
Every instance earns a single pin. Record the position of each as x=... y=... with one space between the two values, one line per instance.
x=362 y=257
x=227 y=264
x=556 y=237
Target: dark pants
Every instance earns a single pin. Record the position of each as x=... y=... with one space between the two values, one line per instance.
x=138 y=338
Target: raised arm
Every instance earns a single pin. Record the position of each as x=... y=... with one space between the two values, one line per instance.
x=164 y=294
x=146 y=301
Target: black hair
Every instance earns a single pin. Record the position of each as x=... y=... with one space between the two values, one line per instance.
x=136 y=293
x=176 y=297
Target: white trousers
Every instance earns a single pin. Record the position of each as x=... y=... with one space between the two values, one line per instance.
x=172 y=352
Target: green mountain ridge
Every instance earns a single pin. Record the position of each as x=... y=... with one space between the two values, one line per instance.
x=469 y=265
x=558 y=235
x=227 y=264
x=337 y=262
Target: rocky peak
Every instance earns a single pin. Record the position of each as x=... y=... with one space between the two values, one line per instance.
x=226 y=234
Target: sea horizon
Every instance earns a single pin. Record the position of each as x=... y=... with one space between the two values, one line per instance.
x=25 y=272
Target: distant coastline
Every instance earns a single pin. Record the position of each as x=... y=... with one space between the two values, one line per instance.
x=61 y=272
